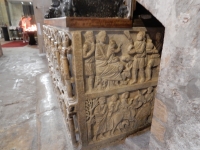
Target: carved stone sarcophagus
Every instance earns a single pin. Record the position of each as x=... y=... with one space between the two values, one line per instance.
x=105 y=80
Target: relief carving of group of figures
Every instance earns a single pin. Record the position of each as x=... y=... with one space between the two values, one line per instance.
x=106 y=115
x=58 y=45
x=104 y=69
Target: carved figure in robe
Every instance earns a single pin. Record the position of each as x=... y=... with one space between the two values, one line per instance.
x=59 y=42
x=88 y=55
x=153 y=57
x=124 y=106
x=145 y=111
x=120 y=114
x=52 y=44
x=64 y=67
x=136 y=104
x=64 y=61
x=49 y=43
x=108 y=66
x=110 y=121
x=100 y=114
x=113 y=105
x=139 y=52
x=55 y=49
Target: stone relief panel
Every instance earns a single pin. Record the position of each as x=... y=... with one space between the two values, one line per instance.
x=118 y=73
x=116 y=60
x=116 y=114
x=59 y=48
x=89 y=59
x=59 y=54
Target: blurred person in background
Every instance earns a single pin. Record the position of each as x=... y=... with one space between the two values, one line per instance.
x=24 y=24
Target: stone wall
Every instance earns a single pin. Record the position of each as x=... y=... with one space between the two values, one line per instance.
x=40 y=8
x=16 y=13
x=3 y=12
x=176 y=115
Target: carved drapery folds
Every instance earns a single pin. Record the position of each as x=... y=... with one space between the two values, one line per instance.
x=58 y=51
x=58 y=47
x=105 y=80
x=113 y=63
x=110 y=64
x=119 y=113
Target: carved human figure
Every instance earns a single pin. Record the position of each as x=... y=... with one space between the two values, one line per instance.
x=52 y=44
x=143 y=106
x=124 y=106
x=88 y=55
x=153 y=58
x=116 y=112
x=110 y=119
x=136 y=104
x=108 y=66
x=115 y=99
x=120 y=114
x=145 y=110
x=55 y=49
x=138 y=50
x=64 y=61
x=49 y=43
x=64 y=67
x=112 y=50
x=59 y=42
x=100 y=114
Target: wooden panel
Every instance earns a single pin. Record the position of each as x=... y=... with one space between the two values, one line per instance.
x=87 y=22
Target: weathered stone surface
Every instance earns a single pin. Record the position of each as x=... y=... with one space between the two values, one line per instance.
x=160 y=110
x=178 y=86
x=157 y=130
x=106 y=80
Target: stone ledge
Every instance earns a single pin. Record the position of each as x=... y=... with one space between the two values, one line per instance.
x=137 y=86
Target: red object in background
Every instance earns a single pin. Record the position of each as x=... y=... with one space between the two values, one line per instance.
x=14 y=44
